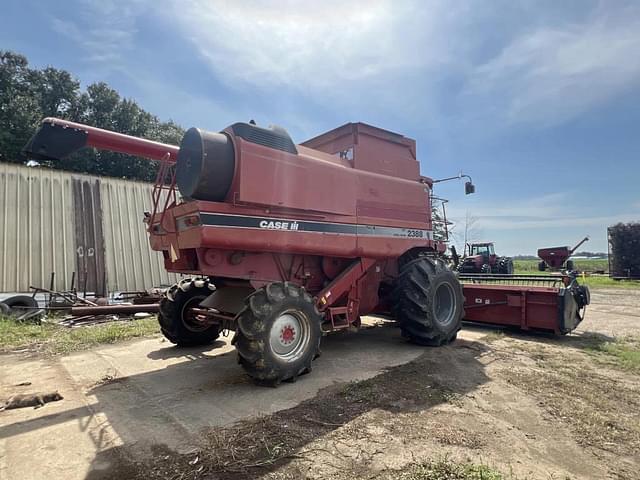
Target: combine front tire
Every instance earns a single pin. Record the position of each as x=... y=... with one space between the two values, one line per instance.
x=428 y=302
x=177 y=321
x=278 y=333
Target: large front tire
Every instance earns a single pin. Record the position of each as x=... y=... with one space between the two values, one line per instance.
x=177 y=322
x=428 y=302
x=278 y=333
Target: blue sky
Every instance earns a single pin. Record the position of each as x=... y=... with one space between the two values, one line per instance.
x=539 y=101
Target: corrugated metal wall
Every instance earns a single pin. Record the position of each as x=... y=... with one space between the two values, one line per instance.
x=54 y=221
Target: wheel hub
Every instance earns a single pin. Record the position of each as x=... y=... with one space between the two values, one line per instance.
x=444 y=304
x=289 y=336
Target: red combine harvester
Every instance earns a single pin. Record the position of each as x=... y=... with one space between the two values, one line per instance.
x=557 y=258
x=283 y=242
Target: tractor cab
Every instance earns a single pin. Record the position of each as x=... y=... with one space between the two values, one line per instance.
x=483 y=249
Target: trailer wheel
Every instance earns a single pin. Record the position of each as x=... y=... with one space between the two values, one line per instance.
x=428 y=302
x=177 y=323
x=278 y=333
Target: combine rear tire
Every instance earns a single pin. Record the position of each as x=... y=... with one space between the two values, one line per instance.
x=177 y=322
x=428 y=302
x=278 y=333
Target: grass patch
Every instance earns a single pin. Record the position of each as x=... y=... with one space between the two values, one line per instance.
x=530 y=267
x=622 y=353
x=447 y=470
x=584 y=265
x=606 y=282
x=50 y=338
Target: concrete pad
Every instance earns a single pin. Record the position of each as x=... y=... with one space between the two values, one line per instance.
x=147 y=391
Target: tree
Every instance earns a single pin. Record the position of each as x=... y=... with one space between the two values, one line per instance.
x=27 y=95
x=19 y=108
x=467 y=231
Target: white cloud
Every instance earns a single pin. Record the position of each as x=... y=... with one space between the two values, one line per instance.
x=550 y=75
x=393 y=59
x=546 y=211
x=105 y=30
x=313 y=45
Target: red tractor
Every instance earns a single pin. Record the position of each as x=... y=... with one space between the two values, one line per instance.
x=283 y=243
x=481 y=258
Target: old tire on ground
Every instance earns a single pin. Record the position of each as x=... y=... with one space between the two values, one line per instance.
x=177 y=323
x=278 y=333
x=428 y=302
x=21 y=304
x=4 y=309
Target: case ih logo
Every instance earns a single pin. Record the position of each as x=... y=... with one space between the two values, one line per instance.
x=272 y=225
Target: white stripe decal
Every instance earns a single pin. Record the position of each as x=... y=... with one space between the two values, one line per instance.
x=290 y=225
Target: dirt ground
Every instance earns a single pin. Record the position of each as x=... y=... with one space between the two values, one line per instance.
x=528 y=406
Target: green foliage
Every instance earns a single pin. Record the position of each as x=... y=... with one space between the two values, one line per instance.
x=28 y=95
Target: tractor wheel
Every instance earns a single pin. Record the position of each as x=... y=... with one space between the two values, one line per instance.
x=278 y=333
x=570 y=266
x=505 y=266
x=428 y=302
x=542 y=266
x=486 y=268
x=178 y=324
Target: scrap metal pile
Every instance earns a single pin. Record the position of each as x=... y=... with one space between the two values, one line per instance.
x=73 y=308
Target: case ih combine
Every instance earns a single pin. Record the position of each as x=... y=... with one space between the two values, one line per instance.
x=282 y=242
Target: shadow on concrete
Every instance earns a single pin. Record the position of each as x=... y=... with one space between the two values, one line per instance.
x=173 y=351
x=207 y=403
x=197 y=403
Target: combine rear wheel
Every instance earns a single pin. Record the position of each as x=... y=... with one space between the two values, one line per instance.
x=278 y=333
x=428 y=302
x=179 y=324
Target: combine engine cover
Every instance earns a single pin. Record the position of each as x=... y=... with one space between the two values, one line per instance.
x=356 y=193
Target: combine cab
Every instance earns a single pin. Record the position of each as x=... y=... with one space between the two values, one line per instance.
x=481 y=258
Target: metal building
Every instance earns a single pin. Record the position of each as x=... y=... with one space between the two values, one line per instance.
x=63 y=222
